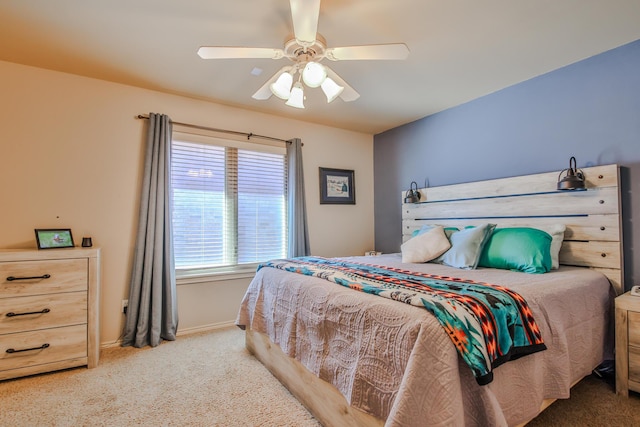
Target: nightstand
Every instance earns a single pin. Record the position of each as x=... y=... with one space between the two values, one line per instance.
x=627 y=344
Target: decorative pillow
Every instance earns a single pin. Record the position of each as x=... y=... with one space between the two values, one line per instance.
x=426 y=246
x=556 y=232
x=466 y=247
x=519 y=248
x=447 y=230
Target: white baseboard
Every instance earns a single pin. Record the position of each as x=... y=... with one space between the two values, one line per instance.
x=182 y=332
x=205 y=328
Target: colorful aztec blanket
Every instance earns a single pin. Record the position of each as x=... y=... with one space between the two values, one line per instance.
x=488 y=324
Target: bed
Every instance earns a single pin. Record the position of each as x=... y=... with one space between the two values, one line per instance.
x=354 y=358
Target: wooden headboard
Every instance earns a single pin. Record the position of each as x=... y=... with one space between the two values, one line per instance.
x=593 y=237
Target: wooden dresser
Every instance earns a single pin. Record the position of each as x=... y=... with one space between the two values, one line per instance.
x=627 y=344
x=49 y=310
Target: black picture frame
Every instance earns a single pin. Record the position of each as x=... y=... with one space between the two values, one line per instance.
x=52 y=238
x=337 y=186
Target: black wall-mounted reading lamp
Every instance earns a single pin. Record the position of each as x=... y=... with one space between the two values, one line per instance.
x=574 y=178
x=412 y=196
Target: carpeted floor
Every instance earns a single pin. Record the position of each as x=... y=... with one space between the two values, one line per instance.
x=593 y=403
x=210 y=380
x=200 y=380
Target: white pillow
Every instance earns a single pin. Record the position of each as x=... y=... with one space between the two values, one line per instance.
x=556 y=232
x=426 y=246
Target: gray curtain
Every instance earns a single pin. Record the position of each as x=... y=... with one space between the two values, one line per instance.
x=298 y=231
x=152 y=314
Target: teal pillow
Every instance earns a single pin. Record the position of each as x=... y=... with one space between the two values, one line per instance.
x=519 y=248
x=466 y=247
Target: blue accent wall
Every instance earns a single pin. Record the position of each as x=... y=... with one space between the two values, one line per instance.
x=589 y=109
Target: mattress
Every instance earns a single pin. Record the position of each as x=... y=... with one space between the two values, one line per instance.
x=395 y=362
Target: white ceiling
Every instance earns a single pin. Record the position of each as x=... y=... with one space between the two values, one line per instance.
x=460 y=49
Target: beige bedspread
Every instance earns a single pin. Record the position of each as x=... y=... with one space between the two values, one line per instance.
x=395 y=361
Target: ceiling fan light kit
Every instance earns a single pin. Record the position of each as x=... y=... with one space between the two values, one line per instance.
x=306 y=49
x=313 y=75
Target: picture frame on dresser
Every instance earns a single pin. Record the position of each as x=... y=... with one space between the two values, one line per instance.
x=50 y=238
x=337 y=186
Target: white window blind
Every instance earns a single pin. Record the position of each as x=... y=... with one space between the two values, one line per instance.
x=229 y=204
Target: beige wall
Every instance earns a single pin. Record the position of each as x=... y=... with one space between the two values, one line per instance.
x=71 y=156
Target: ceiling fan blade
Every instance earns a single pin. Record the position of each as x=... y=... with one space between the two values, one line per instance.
x=349 y=93
x=373 y=51
x=265 y=91
x=305 y=15
x=224 y=52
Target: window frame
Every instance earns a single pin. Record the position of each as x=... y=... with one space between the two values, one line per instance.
x=195 y=275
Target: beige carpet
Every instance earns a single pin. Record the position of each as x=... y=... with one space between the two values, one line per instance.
x=210 y=380
x=200 y=380
x=593 y=403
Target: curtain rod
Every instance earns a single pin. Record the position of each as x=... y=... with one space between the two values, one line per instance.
x=233 y=132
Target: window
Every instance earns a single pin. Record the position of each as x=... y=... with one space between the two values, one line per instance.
x=229 y=204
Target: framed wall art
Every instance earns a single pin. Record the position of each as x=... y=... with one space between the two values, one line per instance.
x=337 y=186
x=49 y=238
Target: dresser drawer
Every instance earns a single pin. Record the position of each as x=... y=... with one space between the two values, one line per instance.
x=634 y=364
x=634 y=328
x=61 y=344
x=26 y=313
x=22 y=278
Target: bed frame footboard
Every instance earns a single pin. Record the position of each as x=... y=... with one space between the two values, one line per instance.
x=320 y=398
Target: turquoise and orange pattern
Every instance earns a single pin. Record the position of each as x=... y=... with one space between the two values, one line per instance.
x=488 y=324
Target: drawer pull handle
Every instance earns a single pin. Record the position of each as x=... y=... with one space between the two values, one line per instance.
x=12 y=278
x=13 y=350
x=12 y=314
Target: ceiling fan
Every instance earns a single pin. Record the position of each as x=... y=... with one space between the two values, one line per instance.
x=306 y=49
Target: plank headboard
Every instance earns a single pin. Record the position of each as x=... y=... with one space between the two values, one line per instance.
x=593 y=237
